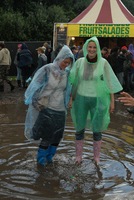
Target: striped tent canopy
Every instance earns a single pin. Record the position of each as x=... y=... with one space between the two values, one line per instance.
x=105 y=12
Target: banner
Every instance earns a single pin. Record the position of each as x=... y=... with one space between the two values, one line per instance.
x=100 y=30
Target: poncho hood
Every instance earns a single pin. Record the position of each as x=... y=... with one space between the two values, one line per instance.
x=64 y=53
x=95 y=40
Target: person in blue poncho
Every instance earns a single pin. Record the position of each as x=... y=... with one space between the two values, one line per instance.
x=48 y=96
x=93 y=86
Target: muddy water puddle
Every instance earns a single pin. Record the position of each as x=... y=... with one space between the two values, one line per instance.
x=21 y=178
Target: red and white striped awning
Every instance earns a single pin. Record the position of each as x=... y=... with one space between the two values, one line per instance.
x=105 y=12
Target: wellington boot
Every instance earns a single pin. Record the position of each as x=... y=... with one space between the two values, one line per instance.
x=19 y=83
x=79 y=151
x=41 y=156
x=97 y=149
x=12 y=88
x=51 y=153
x=1 y=88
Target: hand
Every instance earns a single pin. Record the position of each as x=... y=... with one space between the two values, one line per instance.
x=127 y=99
x=112 y=104
x=112 y=107
x=70 y=103
x=37 y=106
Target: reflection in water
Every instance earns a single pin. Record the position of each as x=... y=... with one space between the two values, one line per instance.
x=21 y=178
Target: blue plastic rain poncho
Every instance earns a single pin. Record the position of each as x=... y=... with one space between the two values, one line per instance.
x=92 y=84
x=46 y=80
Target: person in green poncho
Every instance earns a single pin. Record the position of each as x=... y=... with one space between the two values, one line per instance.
x=93 y=86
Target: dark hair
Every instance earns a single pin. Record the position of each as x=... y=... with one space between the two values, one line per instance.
x=73 y=48
x=105 y=49
x=115 y=50
x=2 y=45
x=59 y=47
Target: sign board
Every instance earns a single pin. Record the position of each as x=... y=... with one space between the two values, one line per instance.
x=61 y=35
x=98 y=30
x=101 y=30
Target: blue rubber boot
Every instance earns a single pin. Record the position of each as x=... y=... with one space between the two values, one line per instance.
x=41 y=156
x=51 y=153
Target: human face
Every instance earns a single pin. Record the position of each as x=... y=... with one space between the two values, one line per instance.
x=103 y=52
x=65 y=63
x=92 y=50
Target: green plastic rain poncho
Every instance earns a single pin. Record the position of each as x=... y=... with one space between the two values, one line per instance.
x=92 y=84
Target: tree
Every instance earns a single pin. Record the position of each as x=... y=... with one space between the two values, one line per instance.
x=129 y=5
x=34 y=19
x=36 y=24
x=12 y=26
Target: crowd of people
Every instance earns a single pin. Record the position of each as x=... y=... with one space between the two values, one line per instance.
x=83 y=80
x=121 y=61
x=23 y=61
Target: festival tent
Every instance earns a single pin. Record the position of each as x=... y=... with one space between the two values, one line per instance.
x=102 y=18
x=105 y=12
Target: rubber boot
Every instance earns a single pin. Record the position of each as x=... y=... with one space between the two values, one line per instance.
x=96 y=150
x=24 y=84
x=79 y=151
x=12 y=86
x=41 y=156
x=1 y=88
x=51 y=153
x=19 y=83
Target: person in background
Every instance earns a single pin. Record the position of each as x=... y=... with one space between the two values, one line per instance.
x=45 y=45
x=16 y=64
x=5 y=63
x=124 y=48
x=112 y=58
x=131 y=49
x=128 y=72
x=75 y=52
x=121 y=58
x=48 y=50
x=55 y=52
x=126 y=99
x=46 y=97
x=93 y=86
x=80 y=53
x=105 y=52
x=48 y=54
x=42 y=60
x=25 y=60
x=128 y=77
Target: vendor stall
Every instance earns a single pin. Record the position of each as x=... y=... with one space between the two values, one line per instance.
x=102 y=18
